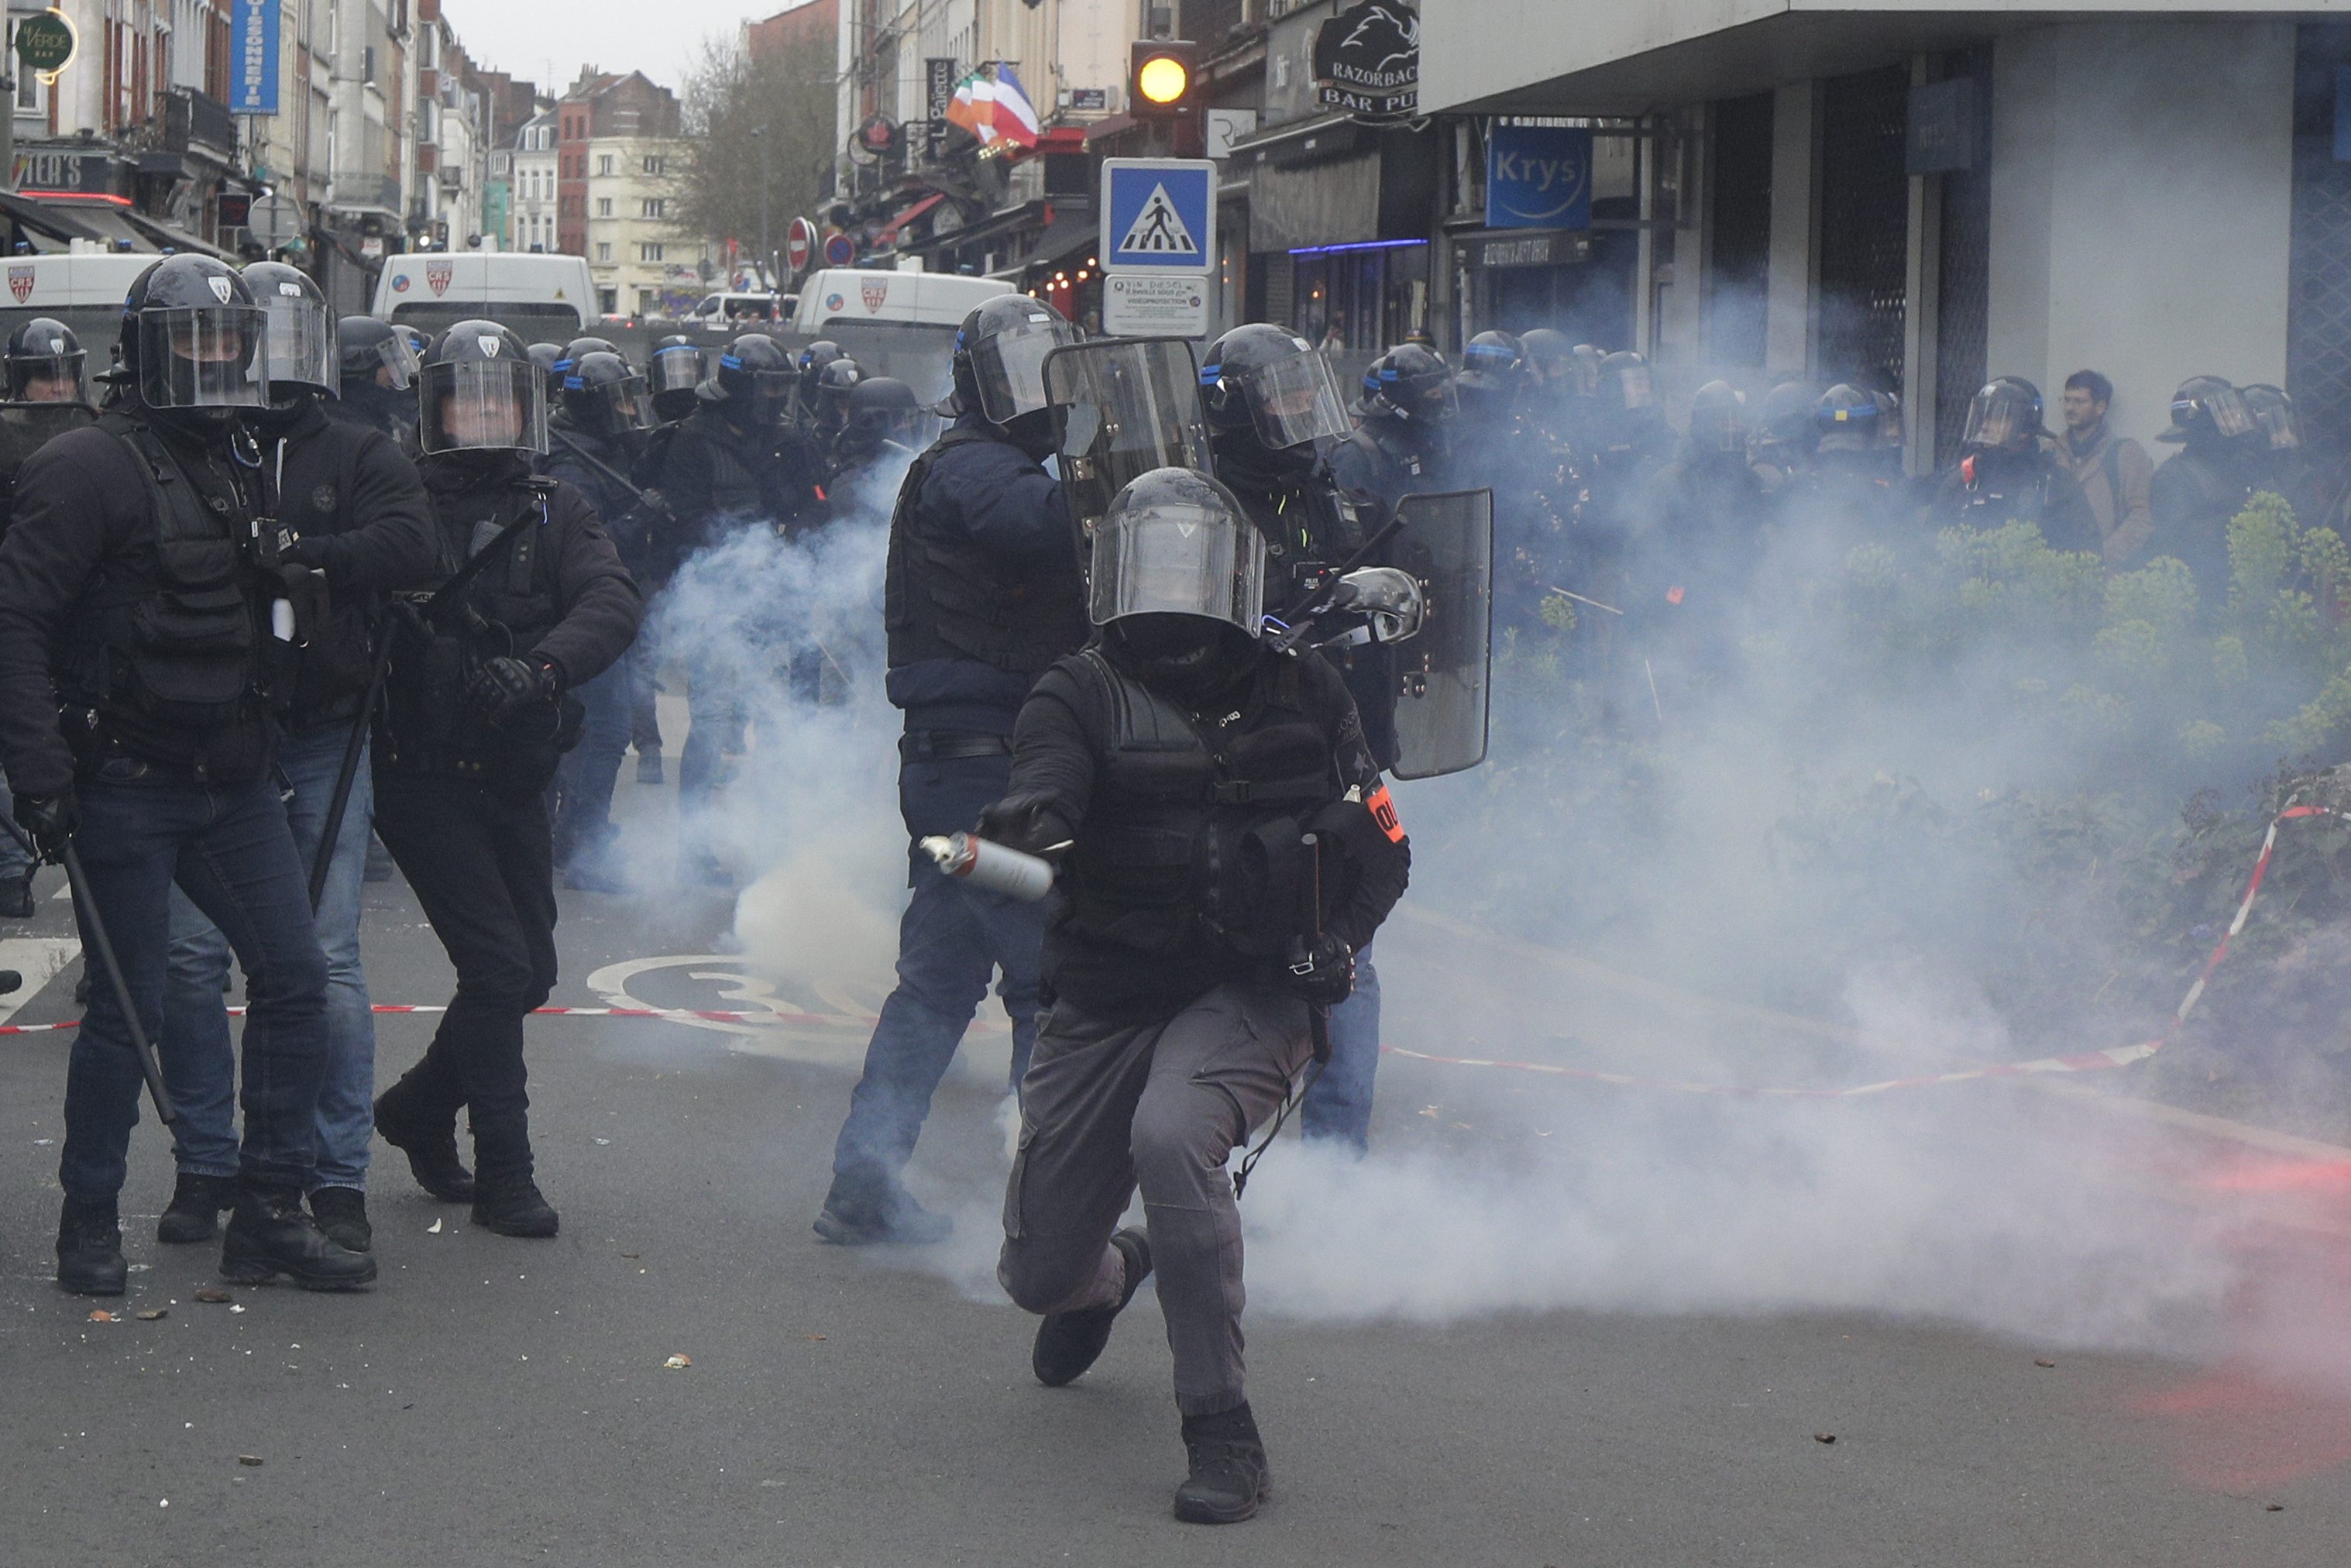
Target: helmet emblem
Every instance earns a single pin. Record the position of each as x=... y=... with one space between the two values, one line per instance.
x=221 y=289
x=490 y=346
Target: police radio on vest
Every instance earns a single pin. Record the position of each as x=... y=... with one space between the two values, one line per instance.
x=991 y=866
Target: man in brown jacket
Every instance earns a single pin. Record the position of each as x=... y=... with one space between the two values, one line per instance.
x=2114 y=471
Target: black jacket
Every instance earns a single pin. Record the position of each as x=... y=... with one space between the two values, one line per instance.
x=1059 y=774
x=346 y=487
x=82 y=506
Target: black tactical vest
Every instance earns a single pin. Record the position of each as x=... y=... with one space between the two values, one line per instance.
x=1194 y=832
x=171 y=630
x=947 y=596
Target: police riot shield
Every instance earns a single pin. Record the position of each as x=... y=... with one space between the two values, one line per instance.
x=1125 y=407
x=1441 y=674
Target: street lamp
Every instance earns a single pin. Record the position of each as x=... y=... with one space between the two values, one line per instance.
x=767 y=264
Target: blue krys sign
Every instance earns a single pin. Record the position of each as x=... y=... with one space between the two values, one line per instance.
x=1538 y=177
x=253 y=58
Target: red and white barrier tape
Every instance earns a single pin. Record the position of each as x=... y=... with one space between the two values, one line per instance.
x=2085 y=1061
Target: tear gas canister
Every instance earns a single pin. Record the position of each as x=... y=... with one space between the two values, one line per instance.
x=992 y=866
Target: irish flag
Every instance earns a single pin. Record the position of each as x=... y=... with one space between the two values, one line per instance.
x=991 y=105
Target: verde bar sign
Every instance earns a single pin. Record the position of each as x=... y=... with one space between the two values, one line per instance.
x=44 y=42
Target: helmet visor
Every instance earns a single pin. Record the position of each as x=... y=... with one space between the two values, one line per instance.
x=607 y=405
x=213 y=357
x=1719 y=428
x=1294 y=401
x=2279 y=420
x=484 y=405
x=1009 y=367
x=676 y=369
x=2000 y=416
x=61 y=377
x=2231 y=415
x=396 y=355
x=302 y=348
x=1635 y=387
x=1179 y=558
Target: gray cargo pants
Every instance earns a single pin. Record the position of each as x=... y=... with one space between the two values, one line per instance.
x=1107 y=1108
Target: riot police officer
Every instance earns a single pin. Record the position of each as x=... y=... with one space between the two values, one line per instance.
x=982 y=593
x=594 y=438
x=1698 y=537
x=531 y=601
x=376 y=378
x=672 y=374
x=2010 y=473
x=1271 y=404
x=2200 y=488
x=882 y=421
x=136 y=619
x=1407 y=413
x=357 y=510
x=1178 y=766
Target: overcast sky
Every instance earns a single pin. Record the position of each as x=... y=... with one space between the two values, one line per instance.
x=547 y=41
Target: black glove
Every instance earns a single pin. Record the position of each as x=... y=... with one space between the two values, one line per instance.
x=503 y=685
x=1027 y=822
x=49 y=820
x=309 y=550
x=1324 y=971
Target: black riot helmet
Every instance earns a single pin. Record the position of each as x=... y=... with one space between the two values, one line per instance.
x=1585 y=362
x=45 y=363
x=999 y=356
x=369 y=345
x=1848 y=419
x=675 y=366
x=303 y=353
x=818 y=355
x=2209 y=407
x=603 y=394
x=1625 y=385
x=1175 y=543
x=1718 y=426
x=1494 y=353
x=2004 y=417
x=2276 y=416
x=1409 y=382
x=1549 y=360
x=1273 y=387
x=194 y=338
x=479 y=392
x=754 y=381
x=883 y=411
x=578 y=346
x=1787 y=419
x=834 y=384
x=548 y=357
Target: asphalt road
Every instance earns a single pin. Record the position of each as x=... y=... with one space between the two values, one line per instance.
x=494 y=1401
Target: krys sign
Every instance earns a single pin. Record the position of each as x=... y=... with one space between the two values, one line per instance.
x=1367 y=60
x=1538 y=177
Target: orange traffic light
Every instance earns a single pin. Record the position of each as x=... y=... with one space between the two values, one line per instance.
x=1162 y=79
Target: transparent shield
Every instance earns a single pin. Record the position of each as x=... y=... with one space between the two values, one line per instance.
x=478 y=405
x=397 y=355
x=303 y=348
x=60 y=378
x=1294 y=401
x=1442 y=674
x=1009 y=368
x=1178 y=558
x=1128 y=407
x=215 y=356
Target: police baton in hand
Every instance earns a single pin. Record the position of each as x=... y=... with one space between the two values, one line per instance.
x=86 y=908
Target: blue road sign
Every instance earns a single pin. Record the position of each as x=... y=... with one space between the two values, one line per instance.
x=1158 y=215
x=1538 y=177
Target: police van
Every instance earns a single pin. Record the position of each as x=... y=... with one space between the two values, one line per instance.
x=84 y=291
x=545 y=299
x=899 y=324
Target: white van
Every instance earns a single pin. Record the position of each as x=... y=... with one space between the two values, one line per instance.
x=737 y=313
x=85 y=292
x=899 y=324
x=545 y=299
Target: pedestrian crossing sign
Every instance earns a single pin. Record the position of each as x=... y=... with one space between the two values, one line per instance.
x=1158 y=215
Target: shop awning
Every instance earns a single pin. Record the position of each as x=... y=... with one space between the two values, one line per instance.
x=889 y=235
x=1069 y=234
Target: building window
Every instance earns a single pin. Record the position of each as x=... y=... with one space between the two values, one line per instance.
x=603 y=250
x=604 y=163
x=603 y=206
x=656 y=164
x=653 y=206
x=649 y=251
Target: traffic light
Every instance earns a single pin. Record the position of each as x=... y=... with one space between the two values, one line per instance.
x=1162 y=79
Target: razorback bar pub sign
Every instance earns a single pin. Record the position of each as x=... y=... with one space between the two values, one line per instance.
x=1367 y=60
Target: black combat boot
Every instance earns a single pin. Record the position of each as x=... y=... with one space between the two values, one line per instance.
x=861 y=1213
x=1228 y=1476
x=270 y=1233
x=16 y=896
x=89 y=1248
x=1069 y=1343
x=430 y=1143
x=197 y=1203
x=512 y=1205
x=341 y=1213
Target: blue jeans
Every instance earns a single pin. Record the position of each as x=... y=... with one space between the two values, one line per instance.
x=197 y=1065
x=583 y=784
x=228 y=847
x=951 y=938
x=1340 y=1103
